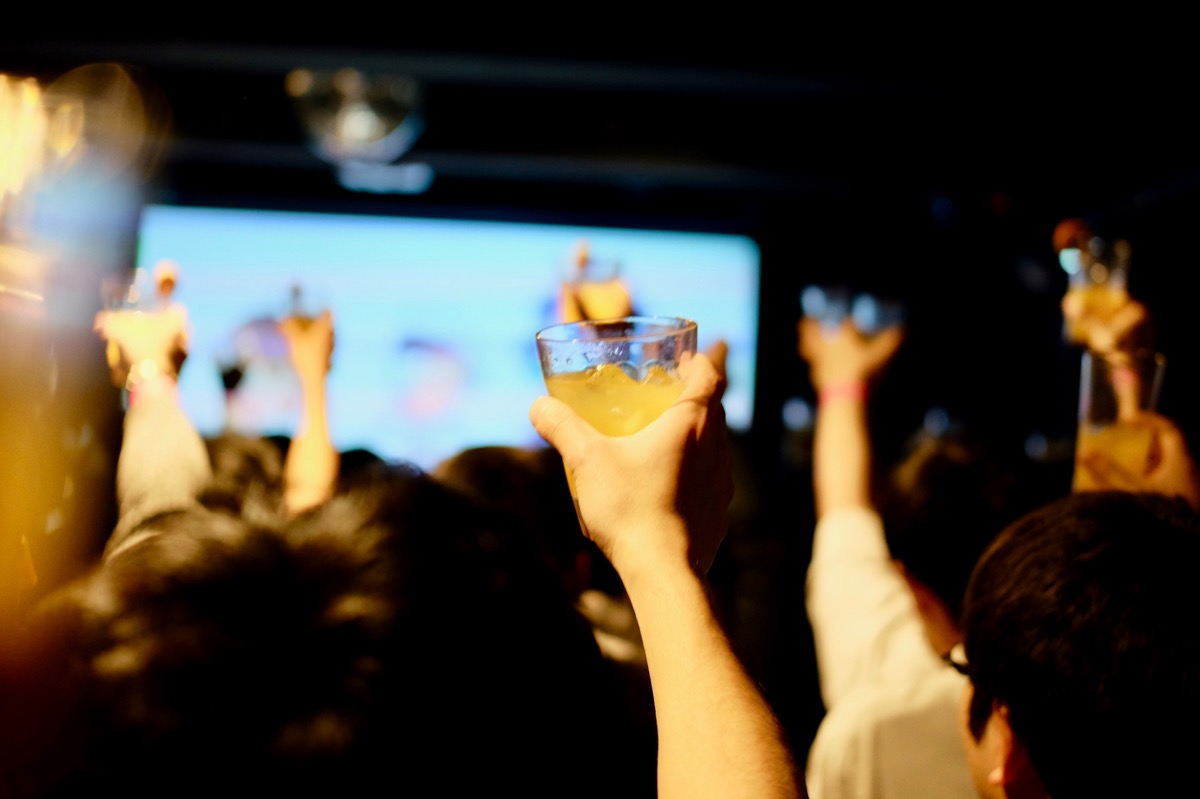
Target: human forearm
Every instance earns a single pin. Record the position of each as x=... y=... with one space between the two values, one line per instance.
x=311 y=466
x=842 y=451
x=717 y=734
x=842 y=366
x=656 y=504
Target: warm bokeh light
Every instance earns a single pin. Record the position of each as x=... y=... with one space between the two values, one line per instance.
x=75 y=152
x=23 y=145
x=22 y=136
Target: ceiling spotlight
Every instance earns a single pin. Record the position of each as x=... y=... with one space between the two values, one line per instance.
x=354 y=117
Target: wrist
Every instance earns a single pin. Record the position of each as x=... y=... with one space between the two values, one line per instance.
x=853 y=390
x=648 y=582
x=148 y=378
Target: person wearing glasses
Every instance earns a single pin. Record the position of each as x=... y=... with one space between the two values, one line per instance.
x=890 y=562
x=1082 y=652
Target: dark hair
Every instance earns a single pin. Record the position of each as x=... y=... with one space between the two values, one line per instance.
x=1081 y=618
x=531 y=485
x=247 y=475
x=358 y=463
x=945 y=501
x=399 y=635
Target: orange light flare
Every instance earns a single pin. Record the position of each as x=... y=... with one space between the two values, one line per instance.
x=74 y=153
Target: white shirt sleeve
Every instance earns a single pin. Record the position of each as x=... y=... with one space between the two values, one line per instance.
x=865 y=624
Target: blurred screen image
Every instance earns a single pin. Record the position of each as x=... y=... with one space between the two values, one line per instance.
x=434 y=319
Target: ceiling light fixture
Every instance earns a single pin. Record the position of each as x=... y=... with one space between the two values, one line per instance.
x=357 y=121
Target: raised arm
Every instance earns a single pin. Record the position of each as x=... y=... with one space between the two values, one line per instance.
x=163 y=464
x=842 y=364
x=310 y=468
x=656 y=503
x=1171 y=469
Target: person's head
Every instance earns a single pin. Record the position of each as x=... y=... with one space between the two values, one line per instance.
x=397 y=634
x=1083 y=649
x=247 y=475
x=356 y=464
x=531 y=484
x=941 y=506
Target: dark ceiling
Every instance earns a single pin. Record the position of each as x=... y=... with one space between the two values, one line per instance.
x=676 y=128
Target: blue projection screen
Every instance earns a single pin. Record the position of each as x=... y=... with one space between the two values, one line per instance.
x=434 y=318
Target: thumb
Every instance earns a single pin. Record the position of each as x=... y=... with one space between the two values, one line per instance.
x=704 y=379
x=562 y=428
x=718 y=353
x=885 y=344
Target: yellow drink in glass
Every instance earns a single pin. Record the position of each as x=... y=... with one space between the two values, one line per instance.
x=1122 y=447
x=619 y=374
x=603 y=299
x=613 y=402
x=1114 y=438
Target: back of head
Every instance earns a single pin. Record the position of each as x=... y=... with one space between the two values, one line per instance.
x=495 y=680
x=531 y=485
x=945 y=502
x=215 y=652
x=1081 y=619
x=247 y=474
x=400 y=635
x=357 y=463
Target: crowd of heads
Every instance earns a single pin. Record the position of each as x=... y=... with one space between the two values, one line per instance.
x=421 y=628
x=399 y=633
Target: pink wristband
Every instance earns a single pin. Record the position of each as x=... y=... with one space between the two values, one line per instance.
x=847 y=389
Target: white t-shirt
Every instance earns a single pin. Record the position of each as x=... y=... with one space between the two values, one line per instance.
x=891 y=729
